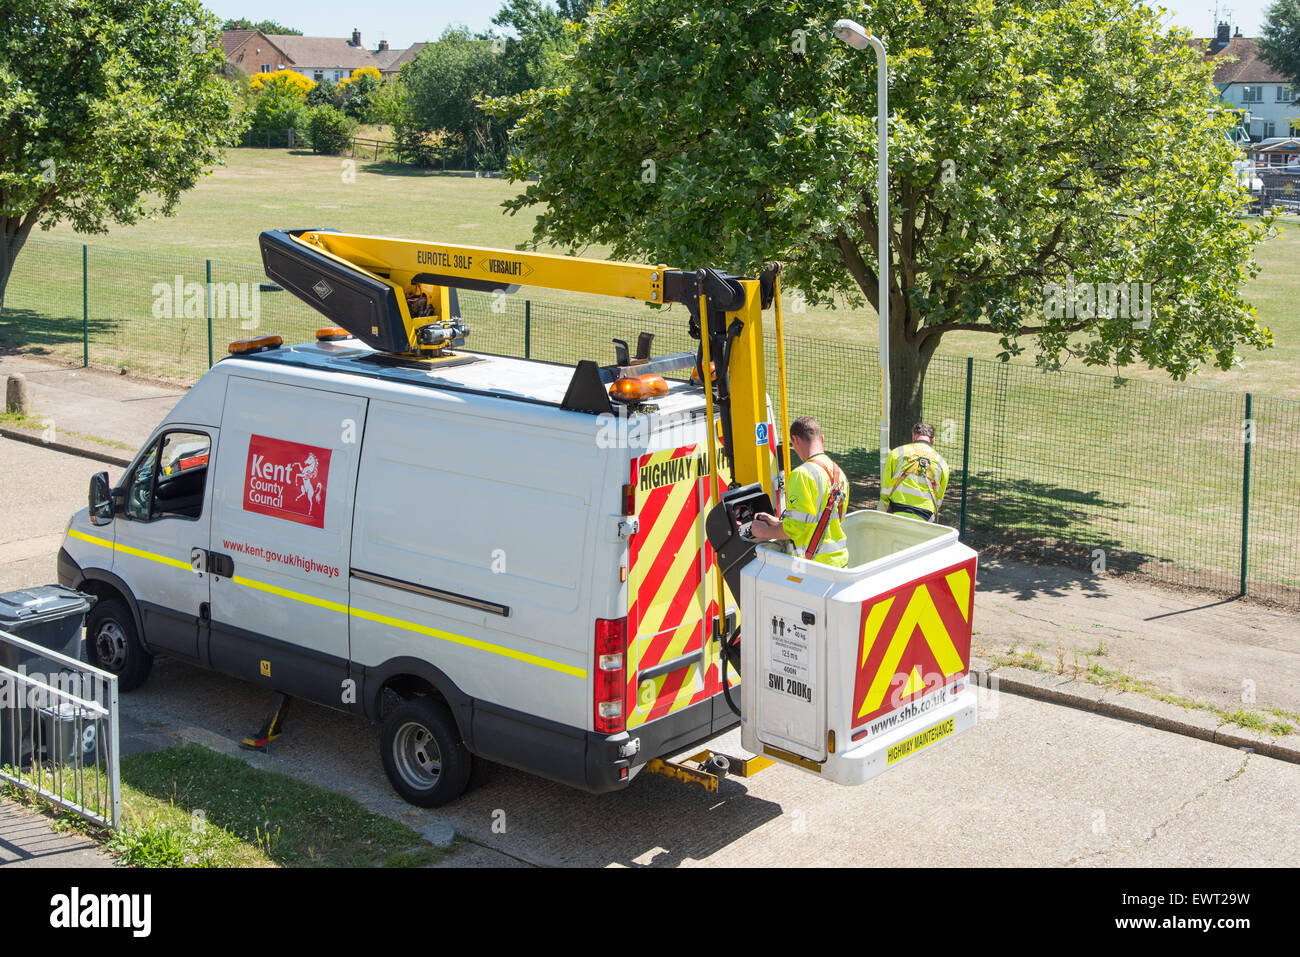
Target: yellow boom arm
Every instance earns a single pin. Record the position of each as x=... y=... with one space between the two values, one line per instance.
x=365 y=284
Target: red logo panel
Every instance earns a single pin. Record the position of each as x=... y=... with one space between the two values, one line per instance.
x=286 y=480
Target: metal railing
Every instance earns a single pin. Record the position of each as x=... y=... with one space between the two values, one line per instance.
x=59 y=732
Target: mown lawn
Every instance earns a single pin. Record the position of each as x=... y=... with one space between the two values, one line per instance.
x=264 y=189
x=1148 y=471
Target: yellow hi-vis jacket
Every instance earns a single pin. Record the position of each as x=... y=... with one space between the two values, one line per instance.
x=805 y=500
x=917 y=476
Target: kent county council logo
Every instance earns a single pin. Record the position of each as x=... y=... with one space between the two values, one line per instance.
x=286 y=480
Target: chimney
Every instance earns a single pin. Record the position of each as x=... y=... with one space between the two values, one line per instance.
x=356 y=36
x=383 y=45
x=1221 y=38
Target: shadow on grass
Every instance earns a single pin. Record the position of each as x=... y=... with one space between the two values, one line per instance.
x=1059 y=530
x=393 y=168
x=26 y=331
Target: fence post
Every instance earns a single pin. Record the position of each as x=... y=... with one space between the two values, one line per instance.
x=965 y=450
x=1248 y=437
x=528 y=328
x=85 y=307
x=209 y=288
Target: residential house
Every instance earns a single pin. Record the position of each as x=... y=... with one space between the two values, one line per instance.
x=1248 y=84
x=254 y=52
x=391 y=61
x=325 y=58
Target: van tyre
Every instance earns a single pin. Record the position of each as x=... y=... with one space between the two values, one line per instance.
x=113 y=644
x=425 y=759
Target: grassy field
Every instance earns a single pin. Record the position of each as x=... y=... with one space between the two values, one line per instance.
x=264 y=189
x=1147 y=471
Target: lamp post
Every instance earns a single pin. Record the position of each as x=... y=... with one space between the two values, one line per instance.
x=858 y=37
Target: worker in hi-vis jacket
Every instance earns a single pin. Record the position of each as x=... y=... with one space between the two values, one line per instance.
x=916 y=476
x=807 y=495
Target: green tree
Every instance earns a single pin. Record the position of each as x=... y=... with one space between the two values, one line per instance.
x=276 y=109
x=109 y=111
x=443 y=86
x=331 y=131
x=325 y=93
x=360 y=97
x=1031 y=142
x=1279 y=44
x=266 y=26
x=534 y=57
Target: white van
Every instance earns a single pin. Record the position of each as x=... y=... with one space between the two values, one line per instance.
x=456 y=552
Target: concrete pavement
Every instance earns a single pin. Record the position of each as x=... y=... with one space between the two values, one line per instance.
x=88 y=409
x=1179 y=640
x=26 y=840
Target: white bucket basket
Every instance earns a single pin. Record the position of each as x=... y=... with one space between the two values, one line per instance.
x=849 y=671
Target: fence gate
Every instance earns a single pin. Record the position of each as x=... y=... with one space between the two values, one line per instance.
x=59 y=729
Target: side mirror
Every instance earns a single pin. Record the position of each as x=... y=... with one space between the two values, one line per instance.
x=100 y=499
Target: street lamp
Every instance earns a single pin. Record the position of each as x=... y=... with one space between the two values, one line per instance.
x=858 y=37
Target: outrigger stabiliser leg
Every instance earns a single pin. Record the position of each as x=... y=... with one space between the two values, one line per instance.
x=272 y=727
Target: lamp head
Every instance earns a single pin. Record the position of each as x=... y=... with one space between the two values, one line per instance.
x=852 y=33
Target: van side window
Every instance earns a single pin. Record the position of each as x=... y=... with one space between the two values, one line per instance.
x=170 y=479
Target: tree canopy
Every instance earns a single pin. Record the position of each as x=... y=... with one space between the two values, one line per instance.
x=266 y=26
x=1279 y=42
x=444 y=86
x=1034 y=144
x=109 y=111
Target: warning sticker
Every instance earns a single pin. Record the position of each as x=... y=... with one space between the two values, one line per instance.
x=286 y=480
x=789 y=657
x=656 y=471
x=923 y=739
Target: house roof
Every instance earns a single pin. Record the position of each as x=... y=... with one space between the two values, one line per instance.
x=385 y=57
x=1248 y=66
x=324 y=51
x=233 y=40
x=396 y=58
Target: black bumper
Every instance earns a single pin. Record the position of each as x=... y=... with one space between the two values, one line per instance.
x=69 y=571
x=585 y=759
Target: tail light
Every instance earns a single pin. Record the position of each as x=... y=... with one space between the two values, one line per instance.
x=610 y=686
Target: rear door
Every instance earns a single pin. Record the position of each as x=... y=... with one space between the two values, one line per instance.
x=671 y=666
x=282 y=523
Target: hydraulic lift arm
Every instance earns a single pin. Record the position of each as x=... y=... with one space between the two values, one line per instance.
x=396 y=295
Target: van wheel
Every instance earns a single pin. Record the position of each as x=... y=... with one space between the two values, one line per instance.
x=112 y=644
x=425 y=759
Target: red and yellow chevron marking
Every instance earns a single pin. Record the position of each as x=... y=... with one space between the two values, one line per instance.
x=664 y=604
x=914 y=639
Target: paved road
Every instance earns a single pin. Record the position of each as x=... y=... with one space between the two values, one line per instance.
x=1034 y=783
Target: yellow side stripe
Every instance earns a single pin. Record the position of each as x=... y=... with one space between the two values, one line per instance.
x=128 y=550
x=295 y=595
x=345 y=610
x=470 y=642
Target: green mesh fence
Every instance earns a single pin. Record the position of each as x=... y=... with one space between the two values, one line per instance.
x=1138 y=477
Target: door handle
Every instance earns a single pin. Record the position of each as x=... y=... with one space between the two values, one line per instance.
x=202 y=560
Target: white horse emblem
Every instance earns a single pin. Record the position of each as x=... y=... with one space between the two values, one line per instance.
x=309 y=488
